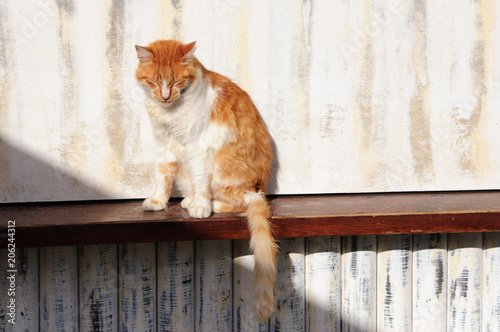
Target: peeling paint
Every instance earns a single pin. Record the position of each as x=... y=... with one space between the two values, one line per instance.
x=359 y=308
x=453 y=279
x=395 y=284
x=464 y=282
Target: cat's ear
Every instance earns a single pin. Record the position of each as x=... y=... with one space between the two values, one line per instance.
x=144 y=54
x=188 y=51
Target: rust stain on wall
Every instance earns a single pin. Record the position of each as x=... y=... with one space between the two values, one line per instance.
x=368 y=120
x=328 y=123
x=481 y=67
x=466 y=117
x=70 y=85
x=115 y=108
x=303 y=22
x=420 y=132
x=7 y=63
x=66 y=49
x=139 y=175
x=469 y=119
x=243 y=66
x=171 y=20
x=301 y=85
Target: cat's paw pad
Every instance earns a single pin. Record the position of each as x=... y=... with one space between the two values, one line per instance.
x=154 y=204
x=199 y=208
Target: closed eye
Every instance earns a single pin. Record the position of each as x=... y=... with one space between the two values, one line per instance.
x=152 y=84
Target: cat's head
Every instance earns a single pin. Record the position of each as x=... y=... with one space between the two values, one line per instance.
x=166 y=69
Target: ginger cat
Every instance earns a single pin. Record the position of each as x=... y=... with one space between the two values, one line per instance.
x=212 y=142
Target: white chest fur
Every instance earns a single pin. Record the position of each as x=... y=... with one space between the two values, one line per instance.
x=185 y=127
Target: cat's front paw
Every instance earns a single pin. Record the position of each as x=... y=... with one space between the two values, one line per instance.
x=154 y=204
x=186 y=202
x=197 y=207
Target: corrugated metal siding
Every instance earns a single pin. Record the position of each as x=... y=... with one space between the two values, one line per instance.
x=426 y=282
x=359 y=95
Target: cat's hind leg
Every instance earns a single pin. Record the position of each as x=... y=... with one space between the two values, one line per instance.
x=222 y=206
x=228 y=199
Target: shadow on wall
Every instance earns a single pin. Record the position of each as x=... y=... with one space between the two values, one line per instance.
x=272 y=186
x=24 y=177
x=20 y=174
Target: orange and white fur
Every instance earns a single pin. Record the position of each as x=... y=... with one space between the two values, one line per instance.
x=211 y=141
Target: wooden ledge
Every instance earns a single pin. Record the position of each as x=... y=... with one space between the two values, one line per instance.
x=81 y=223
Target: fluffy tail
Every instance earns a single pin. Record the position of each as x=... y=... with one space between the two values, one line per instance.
x=264 y=249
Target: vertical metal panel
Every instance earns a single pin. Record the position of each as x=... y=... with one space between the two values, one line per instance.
x=98 y=285
x=26 y=291
x=289 y=293
x=137 y=286
x=429 y=282
x=175 y=288
x=464 y=282
x=213 y=285
x=4 y=289
x=470 y=265
x=394 y=283
x=359 y=275
x=244 y=318
x=490 y=302
x=323 y=303
x=59 y=289
x=4 y=293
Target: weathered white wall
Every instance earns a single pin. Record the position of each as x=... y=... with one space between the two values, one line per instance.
x=359 y=95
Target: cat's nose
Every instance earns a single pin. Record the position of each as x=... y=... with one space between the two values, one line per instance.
x=165 y=93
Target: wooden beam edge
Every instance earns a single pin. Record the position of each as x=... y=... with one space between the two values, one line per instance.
x=236 y=228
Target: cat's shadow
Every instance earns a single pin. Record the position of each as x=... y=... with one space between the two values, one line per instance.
x=272 y=185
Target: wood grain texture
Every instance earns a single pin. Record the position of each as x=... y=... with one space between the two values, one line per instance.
x=464 y=282
x=125 y=222
x=323 y=285
x=175 y=286
x=490 y=301
x=394 y=283
x=137 y=287
x=289 y=289
x=98 y=287
x=25 y=288
x=429 y=282
x=244 y=318
x=359 y=282
x=213 y=285
x=59 y=289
